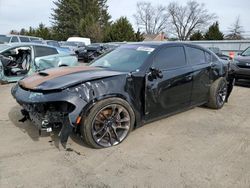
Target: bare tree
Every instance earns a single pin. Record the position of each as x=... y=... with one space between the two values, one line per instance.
x=185 y=20
x=150 y=19
x=235 y=31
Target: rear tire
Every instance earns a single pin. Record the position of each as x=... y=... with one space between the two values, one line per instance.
x=108 y=123
x=218 y=93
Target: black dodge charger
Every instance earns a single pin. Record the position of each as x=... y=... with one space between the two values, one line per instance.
x=135 y=84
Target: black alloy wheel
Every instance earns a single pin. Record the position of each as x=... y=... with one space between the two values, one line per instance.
x=222 y=94
x=111 y=125
x=107 y=123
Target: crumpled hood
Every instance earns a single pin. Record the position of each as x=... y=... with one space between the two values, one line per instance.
x=63 y=77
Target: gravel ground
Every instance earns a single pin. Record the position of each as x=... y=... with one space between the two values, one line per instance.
x=197 y=148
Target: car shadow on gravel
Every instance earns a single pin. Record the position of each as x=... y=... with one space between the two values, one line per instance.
x=31 y=130
x=26 y=127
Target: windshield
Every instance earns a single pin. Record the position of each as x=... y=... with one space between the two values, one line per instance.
x=126 y=58
x=4 y=39
x=246 y=52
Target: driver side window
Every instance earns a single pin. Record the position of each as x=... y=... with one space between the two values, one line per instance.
x=170 y=58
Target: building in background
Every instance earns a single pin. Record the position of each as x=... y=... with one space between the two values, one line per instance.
x=155 y=37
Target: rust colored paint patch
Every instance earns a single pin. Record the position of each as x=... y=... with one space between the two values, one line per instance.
x=38 y=78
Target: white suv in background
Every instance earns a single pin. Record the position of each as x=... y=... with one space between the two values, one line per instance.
x=17 y=38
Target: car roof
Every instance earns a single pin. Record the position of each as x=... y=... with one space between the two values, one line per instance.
x=12 y=35
x=157 y=44
x=50 y=40
x=13 y=45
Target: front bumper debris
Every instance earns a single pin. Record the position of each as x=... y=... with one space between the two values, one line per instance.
x=52 y=110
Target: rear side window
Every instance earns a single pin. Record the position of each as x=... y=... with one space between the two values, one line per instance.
x=195 y=56
x=34 y=38
x=24 y=39
x=14 y=39
x=170 y=57
x=41 y=51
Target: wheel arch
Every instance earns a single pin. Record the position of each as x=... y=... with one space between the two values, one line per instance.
x=85 y=111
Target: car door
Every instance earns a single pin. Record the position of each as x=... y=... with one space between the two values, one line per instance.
x=197 y=58
x=170 y=91
x=45 y=57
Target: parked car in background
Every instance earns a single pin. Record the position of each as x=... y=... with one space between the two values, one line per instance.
x=55 y=44
x=75 y=47
x=122 y=90
x=48 y=42
x=92 y=51
x=242 y=61
x=86 y=41
x=4 y=39
x=20 y=59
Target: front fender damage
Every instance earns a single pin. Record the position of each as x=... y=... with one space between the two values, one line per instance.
x=64 y=107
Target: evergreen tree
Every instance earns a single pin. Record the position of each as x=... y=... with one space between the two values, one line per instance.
x=139 y=36
x=14 y=32
x=31 y=32
x=104 y=19
x=121 y=30
x=76 y=17
x=65 y=18
x=214 y=33
x=43 y=32
x=22 y=32
x=197 y=36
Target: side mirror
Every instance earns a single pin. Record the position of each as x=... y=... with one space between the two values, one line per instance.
x=155 y=73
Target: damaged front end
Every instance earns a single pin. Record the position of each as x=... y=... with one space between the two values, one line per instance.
x=50 y=110
x=61 y=97
x=47 y=116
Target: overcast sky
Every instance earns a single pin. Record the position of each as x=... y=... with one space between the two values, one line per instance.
x=17 y=14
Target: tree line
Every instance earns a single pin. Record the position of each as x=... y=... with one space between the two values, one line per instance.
x=91 y=19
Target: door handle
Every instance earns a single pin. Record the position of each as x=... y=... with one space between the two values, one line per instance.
x=189 y=77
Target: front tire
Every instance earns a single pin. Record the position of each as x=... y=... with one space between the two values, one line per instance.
x=218 y=93
x=108 y=123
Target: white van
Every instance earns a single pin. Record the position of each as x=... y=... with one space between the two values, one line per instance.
x=79 y=39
